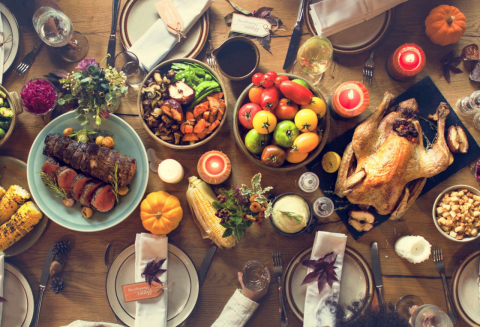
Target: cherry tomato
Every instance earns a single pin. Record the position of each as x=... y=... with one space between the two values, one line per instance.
x=257 y=79
x=286 y=109
x=296 y=92
x=269 y=99
x=264 y=122
x=306 y=120
x=295 y=156
x=269 y=79
x=255 y=93
x=280 y=79
x=273 y=156
x=246 y=114
x=306 y=142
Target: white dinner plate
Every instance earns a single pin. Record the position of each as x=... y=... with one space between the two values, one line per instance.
x=356 y=283
x=465 y=289
x=18 y=311
x=182 y=282
x=10 y=27
x=139 y=15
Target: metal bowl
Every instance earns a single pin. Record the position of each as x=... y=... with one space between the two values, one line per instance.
x=140 y=108
x=324 y=124
x=434 y=216
x=14 y=102
x=312 y=220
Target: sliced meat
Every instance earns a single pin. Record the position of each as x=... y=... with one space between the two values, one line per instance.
x=78 y=185
x=78 y=156
x=50 y=141
x=65 y=177
x=50 y=167
x=88 y=191
x=60 y=147
x=104 y=199
x=127 y=166
x=106 y=160
x=70 y=151
x=89 y=160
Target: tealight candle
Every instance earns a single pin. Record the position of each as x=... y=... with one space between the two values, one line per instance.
x=406 y=62
x=170 y=171
x=350 y=99
x=415 y=249
x=214 y=167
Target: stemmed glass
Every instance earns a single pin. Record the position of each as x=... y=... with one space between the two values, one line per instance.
x=56 y=30
x=429 y=315
x=313 y=59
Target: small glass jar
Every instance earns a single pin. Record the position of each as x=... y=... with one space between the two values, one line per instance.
x=308 y=182
x=28 y=108
x=469 y=105
x=323 y=207
x=476 y=121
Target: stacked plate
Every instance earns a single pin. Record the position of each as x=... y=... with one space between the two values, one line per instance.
x=18 y=311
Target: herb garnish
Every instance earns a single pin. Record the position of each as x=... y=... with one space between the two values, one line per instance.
x=323 y=271
x=115 y=182
x=50 y=183
x=292 y=215
x=152 y=270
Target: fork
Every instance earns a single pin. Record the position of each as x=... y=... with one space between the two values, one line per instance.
x=28 y=60
x=278 y=269
x=210 y=59
x=368 y=68
x=440 y=266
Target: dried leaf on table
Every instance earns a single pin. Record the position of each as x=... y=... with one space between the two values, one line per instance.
x=449 y=63
x=228 y=18
x=152 y=270
x=455 y=70
x=2 y=300
x=238 y=8
x=262 y=12
x=265 y=42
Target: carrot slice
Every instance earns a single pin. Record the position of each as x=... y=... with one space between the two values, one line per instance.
x=200 y=109
x=214 y=104
x=206 y=114
x=212 y=117
x=189 y=115
x=202 y=136
x=221 y=110
x=188 y=129
x=213 y=126
x=190 y=137
x=200 y=126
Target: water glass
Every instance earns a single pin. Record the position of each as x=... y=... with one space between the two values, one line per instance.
x=308 y=182
x=128 y=63
x=255 y=277
x=323 y=207
x=430 y=315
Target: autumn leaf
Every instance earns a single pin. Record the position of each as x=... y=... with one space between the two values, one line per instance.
x=152 y=270
x=323 y=271
x=2 y=299
x=238 y=8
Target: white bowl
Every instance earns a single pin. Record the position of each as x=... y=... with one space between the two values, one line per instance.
x=434 y=216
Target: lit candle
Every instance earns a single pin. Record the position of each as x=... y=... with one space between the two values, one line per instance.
x=406 y=62
x=350 y=99
x=170 y=171
x=214 y=167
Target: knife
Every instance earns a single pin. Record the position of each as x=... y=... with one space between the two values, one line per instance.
x=478 y=280
x=295 y=37
x=113 y=38
x=377 y=272
x=43 y=285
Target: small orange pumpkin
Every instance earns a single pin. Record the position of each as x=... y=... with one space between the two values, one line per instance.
x=445 y=25
x=160 y=212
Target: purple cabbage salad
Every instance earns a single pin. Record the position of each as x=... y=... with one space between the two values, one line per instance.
x=38 y=96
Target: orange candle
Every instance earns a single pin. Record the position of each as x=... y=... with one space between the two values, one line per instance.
x=406 y=62
x=214 y=167
x=350 y=99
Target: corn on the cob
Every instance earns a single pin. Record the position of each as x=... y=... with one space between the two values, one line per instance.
x=11 y=201
x=21 y=223
x=200 y=198
x=2 y=192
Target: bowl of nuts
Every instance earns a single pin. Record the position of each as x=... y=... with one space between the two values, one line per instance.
x=456 y=213
x=182 y=103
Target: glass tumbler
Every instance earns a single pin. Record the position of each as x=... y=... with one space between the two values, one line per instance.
x=128 y=63
x=255 y=277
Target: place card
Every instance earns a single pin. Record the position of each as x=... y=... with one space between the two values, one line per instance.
x=169 y=15
x=140 y=291
x=259 y=27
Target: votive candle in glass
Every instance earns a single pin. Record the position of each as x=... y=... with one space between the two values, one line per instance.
x=406 y=62
x=350 y=99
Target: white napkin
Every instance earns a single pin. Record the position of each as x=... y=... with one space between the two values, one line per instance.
x=317 y=312
x=81 y=323
x=151 y=312
x=157 y=42
x=333 y=16
x=2 y=54
x=2 y=276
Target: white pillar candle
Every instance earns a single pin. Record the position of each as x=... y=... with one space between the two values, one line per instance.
x=170 y=171
x=415 y=249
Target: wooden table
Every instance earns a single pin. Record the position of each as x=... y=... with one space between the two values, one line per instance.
x=85 y=273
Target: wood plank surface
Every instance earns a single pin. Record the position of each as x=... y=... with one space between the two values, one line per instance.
x=84 y=296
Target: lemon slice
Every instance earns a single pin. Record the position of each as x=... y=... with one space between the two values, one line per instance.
x=331 y=162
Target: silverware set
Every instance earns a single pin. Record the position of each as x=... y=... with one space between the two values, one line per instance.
x=440 y=267
x=278 y=270
x=368 y=68
x=28 y=60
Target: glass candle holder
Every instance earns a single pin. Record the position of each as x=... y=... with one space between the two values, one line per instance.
x=406 y=62
x=308 y=182
x=469 y=105
x=323 y=207
x=349 y=100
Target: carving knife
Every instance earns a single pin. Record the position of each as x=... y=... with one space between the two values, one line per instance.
x=377 y=272
x=43 y=286
x=113 y=38
x=292 y=47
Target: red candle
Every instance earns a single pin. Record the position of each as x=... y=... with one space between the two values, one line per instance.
x=214 y=167
x=406 y=62
x=350 y=99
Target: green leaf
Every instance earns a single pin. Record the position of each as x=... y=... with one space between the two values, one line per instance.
x=61 y=101
x=216 y=205
x=84 y=123
x=228 y=19
x=239 y=9
x=292 y=215
x=85 y=80
x=227 y=232
x=256 y=182
x=249 y=223
x=98 y=120
x=236 y=219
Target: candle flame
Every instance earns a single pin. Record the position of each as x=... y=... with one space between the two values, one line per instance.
x=215 y=164
x=350 y=95
x=410 y=58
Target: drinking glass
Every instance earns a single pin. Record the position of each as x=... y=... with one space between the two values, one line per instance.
x=128 y=63
x=405 y=303
x=56 y=30
x=323 y=207
x=313 y=59
x=255 y=277
x=430 y=315
x=308 y=182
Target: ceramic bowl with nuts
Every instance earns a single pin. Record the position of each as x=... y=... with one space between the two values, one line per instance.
x=456 y=213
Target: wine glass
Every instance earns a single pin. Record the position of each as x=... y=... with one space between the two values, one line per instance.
x=56 y=30
x=404 y=305
x=313 y=59
x=429 y=315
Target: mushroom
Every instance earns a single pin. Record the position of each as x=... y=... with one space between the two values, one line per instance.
x=146 y=104
x=157 y=112
x=152 y=122
x=167 y=120
x=177 y=136
x=158 y=78
x=171 y=74
x=166 y=80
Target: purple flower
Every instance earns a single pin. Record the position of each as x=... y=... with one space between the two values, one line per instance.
x=87 y=62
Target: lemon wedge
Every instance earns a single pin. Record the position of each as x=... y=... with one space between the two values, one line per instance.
x=331 y=162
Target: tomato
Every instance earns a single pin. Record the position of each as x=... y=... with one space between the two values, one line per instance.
x=256 y=142
x=306 y=120
x=269 y=79
x=280 y=79
x=286 y=109
x=269 y=99
x=257 y=79
x=264 y=122
x=306 y=142
x=273 y=156
x=246 y=114
x=296 y=92
x=301 y=82
x=317 y=105
x=255 y=93
x=285 y=133
x=295 y=156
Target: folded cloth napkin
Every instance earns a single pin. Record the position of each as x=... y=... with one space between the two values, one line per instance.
x=157 y=42
x=148 y=247
x=81 y=323
x=333 y=16
x=2 y=276
x=320 y=307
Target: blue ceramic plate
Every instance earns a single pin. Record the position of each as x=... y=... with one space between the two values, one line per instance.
x=127 y=142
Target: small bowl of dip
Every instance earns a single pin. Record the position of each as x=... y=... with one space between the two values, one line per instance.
x=292 y=215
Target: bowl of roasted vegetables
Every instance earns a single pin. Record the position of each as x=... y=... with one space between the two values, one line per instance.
x=182 y=103
x=9 y=109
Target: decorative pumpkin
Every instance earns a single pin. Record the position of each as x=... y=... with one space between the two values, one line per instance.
x=160 y=212
x=445 y=25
